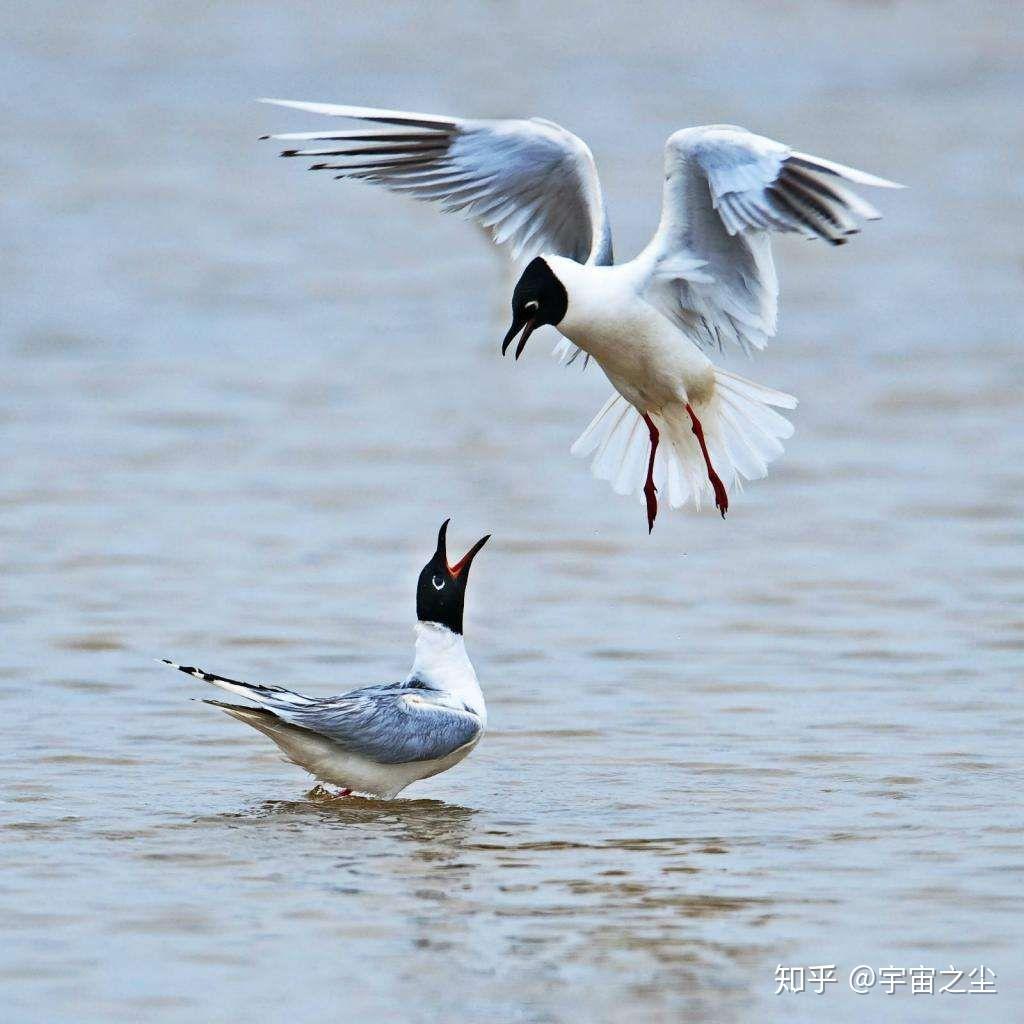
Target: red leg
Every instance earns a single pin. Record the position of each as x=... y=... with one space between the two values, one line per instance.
x=650 y=491
x=321 y=792
x=721 y=497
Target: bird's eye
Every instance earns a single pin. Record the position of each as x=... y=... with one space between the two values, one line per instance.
x=438 y=582
x=532 y=306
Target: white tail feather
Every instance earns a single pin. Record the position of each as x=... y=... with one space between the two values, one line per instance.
x=742 y=431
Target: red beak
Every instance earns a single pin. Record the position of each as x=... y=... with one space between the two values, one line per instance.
x=467 y=558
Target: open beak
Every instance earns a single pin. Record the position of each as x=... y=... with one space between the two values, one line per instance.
x=463 y=564
x=527 y=327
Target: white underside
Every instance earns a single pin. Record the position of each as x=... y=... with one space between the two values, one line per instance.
x=328 y=762
x=742 y=432
x=657 y=370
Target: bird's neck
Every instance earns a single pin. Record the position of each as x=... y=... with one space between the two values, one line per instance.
x=441 y=661
x=603 y=306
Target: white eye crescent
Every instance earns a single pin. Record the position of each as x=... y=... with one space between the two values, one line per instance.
x=438 y=582
x=532 y=306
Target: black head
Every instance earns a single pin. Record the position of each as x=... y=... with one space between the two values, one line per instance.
x=539 y=298
x=441 y=591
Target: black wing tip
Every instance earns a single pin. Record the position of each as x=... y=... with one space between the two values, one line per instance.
x=189 y=670
x=247 y=709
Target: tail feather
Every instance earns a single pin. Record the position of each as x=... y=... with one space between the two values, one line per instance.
x=610 y=456
x=745 y=455
x=743 y=432
x=259 y=718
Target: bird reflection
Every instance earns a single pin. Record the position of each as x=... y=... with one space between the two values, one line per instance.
x=421 y=876
x=433 y=822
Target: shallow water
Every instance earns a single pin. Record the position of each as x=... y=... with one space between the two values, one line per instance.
x=237 y=402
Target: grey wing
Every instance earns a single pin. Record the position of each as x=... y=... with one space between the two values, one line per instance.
x=531 y=182
x=726 y=189
x=387 y=725
x=391 y=723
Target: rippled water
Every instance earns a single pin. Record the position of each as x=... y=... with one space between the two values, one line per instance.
x=237 y=402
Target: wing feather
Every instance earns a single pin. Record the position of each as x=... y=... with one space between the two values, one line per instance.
x=531 y=182
x=726 y=189
x=393 y=727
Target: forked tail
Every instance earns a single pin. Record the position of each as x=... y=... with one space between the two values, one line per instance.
x=742 y=431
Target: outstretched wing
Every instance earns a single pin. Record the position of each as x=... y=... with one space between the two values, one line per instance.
x=389 y=724
x=725 y=190
x=531 y=182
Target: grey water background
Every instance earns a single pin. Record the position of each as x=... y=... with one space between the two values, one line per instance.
x=237 y=401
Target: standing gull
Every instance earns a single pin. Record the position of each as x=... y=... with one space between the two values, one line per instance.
x=706 y=279
x=378 y=739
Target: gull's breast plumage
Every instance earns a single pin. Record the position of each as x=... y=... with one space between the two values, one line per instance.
x=645 y=356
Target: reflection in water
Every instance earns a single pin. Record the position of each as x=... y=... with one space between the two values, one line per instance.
x=422 y=821
x=602 y=904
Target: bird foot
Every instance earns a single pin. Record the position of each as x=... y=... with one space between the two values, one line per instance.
x=721 y=495
x=321 y=792
x=650 y=491
x=651 y=496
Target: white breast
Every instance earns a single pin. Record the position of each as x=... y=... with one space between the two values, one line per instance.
x=441 y=660
x=648 y=360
